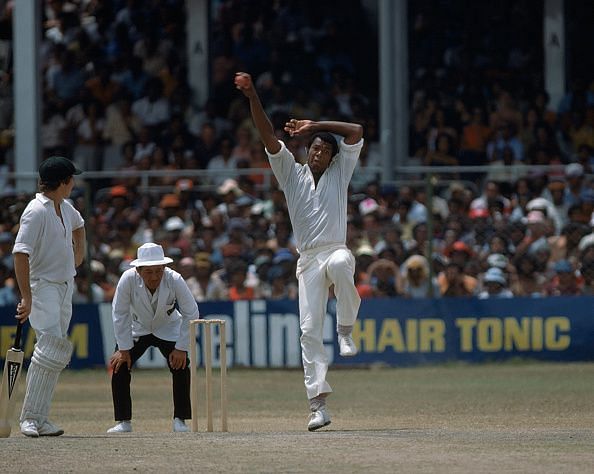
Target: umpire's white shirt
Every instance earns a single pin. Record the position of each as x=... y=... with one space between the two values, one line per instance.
x=136 y=312
x=318 y=214
x=47 y=239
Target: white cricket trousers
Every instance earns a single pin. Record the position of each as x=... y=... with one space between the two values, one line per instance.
x=317 y=269
x=50 y=316
x=51 y=309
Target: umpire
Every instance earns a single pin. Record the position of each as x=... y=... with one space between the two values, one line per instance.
x=152 y=306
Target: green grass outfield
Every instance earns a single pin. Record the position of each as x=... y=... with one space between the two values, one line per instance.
x=513 y=417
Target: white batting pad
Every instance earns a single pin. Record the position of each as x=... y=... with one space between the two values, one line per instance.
x=50 y=356
x=52 y=353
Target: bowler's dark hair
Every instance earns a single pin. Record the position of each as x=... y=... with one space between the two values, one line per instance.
x=326 y=137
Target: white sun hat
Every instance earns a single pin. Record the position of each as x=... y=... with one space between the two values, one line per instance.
x=150 y=254
x=174 y=223
x=497 y=260
x=495 y=275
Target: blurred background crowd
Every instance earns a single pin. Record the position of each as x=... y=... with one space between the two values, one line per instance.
x=116 y=97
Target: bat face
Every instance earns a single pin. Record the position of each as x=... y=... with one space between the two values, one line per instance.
x=10 y=377
x=14 y=363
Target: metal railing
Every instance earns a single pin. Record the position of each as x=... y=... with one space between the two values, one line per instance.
x=410 y=175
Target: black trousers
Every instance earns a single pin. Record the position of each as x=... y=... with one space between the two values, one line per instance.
x=120 y=381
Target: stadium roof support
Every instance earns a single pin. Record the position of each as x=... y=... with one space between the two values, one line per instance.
x=197 y=28
x=393 y=39
x=554 y=50
x=27 y=91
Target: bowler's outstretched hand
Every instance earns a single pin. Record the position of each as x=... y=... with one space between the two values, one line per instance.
x=243 y=82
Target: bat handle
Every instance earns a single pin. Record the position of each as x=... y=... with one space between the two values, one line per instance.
x=17 y=337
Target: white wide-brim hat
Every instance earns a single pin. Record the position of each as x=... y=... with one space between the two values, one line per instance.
x=495 y=275
x=150 y=254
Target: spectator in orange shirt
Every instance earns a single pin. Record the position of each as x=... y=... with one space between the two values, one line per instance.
x=454 y=282
x=258 y=160
x=237 y=288
x=475 y=136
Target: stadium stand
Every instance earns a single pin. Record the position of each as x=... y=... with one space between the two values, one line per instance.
x=116 y=98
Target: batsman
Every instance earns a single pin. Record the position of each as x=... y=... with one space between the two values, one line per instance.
x=49 y=246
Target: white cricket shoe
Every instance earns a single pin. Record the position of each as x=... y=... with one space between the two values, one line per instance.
x=347 y=346
x=179 y=426
x=121 y=427
x=29 y=428
x=49 y=429
x=318 y=419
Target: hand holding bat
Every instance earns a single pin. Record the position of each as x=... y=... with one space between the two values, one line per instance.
x=23 y=310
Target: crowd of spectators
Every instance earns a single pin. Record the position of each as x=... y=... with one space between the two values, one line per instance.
x=116 y=97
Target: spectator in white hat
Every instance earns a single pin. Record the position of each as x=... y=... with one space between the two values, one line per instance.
x=498 y=260
x=415 y=280
x=495 y=285
x=548 y=210
x=536 y=233
x=574 y=174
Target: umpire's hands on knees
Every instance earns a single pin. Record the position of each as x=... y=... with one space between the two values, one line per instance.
x=177 y=359
x=118 y=359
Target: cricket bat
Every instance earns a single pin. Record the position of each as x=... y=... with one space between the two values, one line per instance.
x=10 y=377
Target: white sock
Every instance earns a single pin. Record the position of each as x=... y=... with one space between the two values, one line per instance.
x=318 y=402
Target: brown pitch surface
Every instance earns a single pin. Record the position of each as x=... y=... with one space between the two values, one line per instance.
x=514 y=417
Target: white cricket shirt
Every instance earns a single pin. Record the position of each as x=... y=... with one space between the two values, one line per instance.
x=47 y=239
x=135 y=314
x=318 y=214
